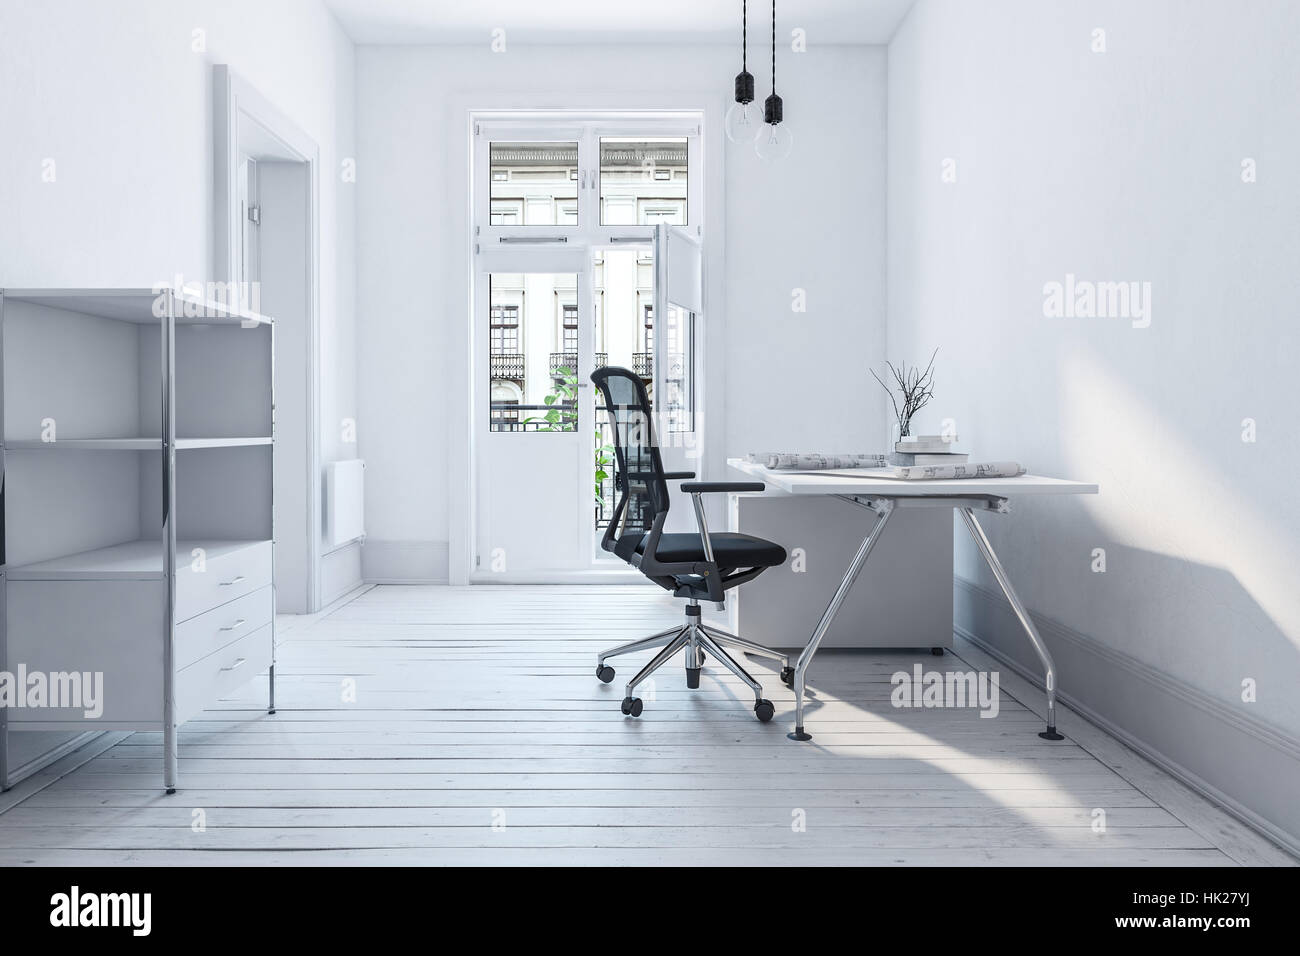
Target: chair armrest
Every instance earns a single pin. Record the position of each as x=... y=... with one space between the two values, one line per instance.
x=668 y=475
x=703 y=487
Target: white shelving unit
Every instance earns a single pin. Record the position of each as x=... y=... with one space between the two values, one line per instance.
x=136 y=478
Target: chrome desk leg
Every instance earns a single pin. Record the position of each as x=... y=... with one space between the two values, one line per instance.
x=999 y=572
x=801 y=666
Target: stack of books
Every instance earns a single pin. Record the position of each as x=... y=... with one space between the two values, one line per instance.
x=927 y=450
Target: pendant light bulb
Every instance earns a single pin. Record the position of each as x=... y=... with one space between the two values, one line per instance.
x=774 y=141
x=743 y=118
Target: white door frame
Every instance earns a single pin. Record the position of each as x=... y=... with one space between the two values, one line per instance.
x=458 y=123
x=232 y=99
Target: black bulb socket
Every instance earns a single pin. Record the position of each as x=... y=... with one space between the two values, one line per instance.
x=773 y=110
x=744 y=87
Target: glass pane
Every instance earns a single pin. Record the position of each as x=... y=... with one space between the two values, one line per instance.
x=642 y=181
x=624 y=317
x=679 y=370
x=533 y=343
x=534 y=184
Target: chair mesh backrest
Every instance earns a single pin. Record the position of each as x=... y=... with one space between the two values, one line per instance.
x=640 y=475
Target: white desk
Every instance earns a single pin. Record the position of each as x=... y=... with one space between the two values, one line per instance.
x=883 y=496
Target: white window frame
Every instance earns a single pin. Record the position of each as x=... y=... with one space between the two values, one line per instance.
x=586 y=130
x=693 y=114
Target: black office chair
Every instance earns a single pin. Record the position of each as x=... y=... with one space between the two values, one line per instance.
x=691 y=566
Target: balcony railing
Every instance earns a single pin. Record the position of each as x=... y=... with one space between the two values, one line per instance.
x=569 y=360
x=643 y=364
x=508 y=365
x=508 y=417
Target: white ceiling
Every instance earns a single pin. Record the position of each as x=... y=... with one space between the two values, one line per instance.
x=627 y=21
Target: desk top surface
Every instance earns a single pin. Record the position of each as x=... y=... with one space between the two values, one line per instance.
x=847 y=482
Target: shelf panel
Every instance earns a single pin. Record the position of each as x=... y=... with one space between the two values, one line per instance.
x=84 y=444
x=136 y=305
x=131 y=444
x=130 y=561
x=185 y=443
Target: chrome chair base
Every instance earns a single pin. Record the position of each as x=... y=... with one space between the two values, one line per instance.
x=694 y=638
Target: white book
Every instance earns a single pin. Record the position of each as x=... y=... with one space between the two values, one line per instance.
x=925 y=445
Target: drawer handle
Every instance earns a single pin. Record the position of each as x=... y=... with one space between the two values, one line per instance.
x=236 y=626
x=236 y=580
x=237 y=665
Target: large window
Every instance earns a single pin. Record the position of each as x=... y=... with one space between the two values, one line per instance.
x=571 y=330
x=505 y=329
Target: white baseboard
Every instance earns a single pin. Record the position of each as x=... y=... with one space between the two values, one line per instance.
x=340 y=572
x=404 y=562
x=1249 y=767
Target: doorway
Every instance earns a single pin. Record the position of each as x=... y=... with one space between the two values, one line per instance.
x=570 y=215
x=266 y=246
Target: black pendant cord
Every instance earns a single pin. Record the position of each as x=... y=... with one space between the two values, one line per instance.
x=773 y=109
x=744 y=81
x=774 y=46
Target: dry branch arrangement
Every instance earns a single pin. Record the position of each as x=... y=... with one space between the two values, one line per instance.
x=915 y=386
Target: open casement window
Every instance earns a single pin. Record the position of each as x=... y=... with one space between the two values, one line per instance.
x=677 y=323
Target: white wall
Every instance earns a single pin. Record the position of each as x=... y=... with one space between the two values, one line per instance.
x=116 y=95
x=816 y=222
x=1122 y=165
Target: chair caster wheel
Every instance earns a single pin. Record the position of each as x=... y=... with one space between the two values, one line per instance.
x=604 y=673
x=764 y=710
x=631 y=706
x=787 y=676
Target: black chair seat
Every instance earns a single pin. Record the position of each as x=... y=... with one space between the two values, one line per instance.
x=730 y=550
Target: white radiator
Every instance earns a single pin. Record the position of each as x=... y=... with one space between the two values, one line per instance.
x=345 y=502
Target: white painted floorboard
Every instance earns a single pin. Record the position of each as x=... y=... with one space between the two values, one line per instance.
x=479 y=735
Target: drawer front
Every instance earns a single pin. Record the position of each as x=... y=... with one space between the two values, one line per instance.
x=224 y=577
x=212 y=630
x=204 y=682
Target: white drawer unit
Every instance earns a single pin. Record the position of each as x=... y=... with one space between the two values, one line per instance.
x=212 y=630
x=222 y=672
x=136 y=558
x=220 y=572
